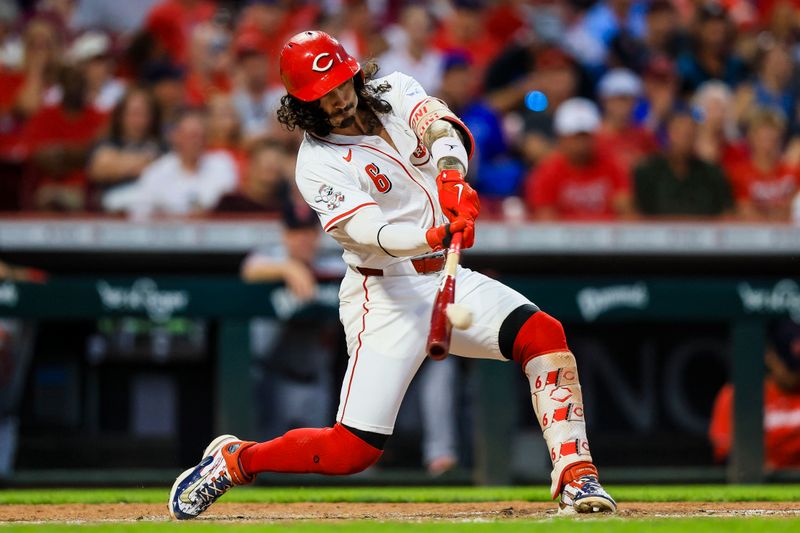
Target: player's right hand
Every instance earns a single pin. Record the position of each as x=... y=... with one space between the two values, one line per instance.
x=439 y=237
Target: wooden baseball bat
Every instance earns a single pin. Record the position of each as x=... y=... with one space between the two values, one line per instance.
x=439 y=337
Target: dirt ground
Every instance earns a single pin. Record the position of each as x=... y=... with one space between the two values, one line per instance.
x=376 y=511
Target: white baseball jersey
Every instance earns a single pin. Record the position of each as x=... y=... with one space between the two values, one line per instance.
x=340 y=174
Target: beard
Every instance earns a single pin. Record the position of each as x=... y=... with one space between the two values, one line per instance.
x=347 y=122
x=346 y=118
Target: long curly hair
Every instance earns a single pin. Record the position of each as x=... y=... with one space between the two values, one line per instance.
x=309 y=116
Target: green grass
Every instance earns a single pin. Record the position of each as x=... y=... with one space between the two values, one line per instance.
x=614 y=525
x=643 y=493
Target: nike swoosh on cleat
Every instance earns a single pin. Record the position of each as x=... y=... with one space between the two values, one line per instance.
x=184 y=497
x=349 y=155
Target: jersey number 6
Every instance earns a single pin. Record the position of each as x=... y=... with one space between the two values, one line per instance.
x=381 y=181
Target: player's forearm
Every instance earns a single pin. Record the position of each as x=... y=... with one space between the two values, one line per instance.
x=443 y=133
x=439 y=138
x=369 y=228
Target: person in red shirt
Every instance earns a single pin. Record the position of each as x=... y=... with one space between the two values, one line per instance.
x=781 y=403
x=270 y=23
x=57 y=141
x=618 y=134
x=464 y=31
x=762 y=184
x=578 y=181
x=210 y=61
x=171 y=23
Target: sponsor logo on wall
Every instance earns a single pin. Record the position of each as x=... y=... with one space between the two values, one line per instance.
x=595 y=301
x=783 y=297
x=143 y=296
x=286 y=304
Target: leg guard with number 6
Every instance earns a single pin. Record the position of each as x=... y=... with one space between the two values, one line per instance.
x=541 y=348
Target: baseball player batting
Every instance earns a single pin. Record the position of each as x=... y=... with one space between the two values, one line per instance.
x=383 y=166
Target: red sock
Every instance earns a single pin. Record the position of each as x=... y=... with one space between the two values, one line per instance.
x=333 y=451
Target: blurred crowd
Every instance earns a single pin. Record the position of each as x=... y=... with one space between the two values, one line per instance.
x=581 y=109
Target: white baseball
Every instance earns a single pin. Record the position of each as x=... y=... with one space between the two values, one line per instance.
x=459 y=316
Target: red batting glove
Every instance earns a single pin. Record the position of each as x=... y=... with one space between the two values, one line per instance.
x=439 y=237
x=456 y=196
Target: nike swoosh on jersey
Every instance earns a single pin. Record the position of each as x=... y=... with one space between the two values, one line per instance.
x=349 y=155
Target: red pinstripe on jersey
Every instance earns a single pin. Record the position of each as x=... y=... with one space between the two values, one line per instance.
x=358 y=348
x=337 y=218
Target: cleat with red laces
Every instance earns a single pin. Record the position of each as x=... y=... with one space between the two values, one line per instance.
x=586 y=495
x=200 y=486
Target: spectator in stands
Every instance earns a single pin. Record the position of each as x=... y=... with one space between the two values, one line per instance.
x=772 y=87
x=661 y=38
x=762 y=184
x=91 y=52
x=781 y=402
x=711 y=56
x=34 y=86
x=608 y=20
x=271 y=23
x=265 y=188
x=663 y=35
x=678 y=182
x=660 y=92
x=411 y=51
x=357 y=28
x=717 y=132
x=618 y=134
x=578 y=181
x=172 y=22
x=166 y=82
x=557 y=76
x=224 y=130
x=493 y=171
x=256 y=103
x=133 y=143
x=58 y=140
x=188 y=180
x=463 y=31
x=209 y=64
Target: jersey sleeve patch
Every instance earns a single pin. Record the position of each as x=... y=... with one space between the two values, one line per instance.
x=331 y=191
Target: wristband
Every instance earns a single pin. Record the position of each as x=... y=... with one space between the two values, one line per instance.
x=449 y=147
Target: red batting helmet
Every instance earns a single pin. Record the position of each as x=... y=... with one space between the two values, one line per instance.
x=314 y=63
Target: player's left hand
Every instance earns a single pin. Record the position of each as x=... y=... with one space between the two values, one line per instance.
x=456 y=196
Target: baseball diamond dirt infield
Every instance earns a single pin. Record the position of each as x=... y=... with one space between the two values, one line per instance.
x=264 y=512
x=694 y=508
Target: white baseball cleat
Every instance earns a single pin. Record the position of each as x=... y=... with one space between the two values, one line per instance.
x=585 y=495
x=200 y=486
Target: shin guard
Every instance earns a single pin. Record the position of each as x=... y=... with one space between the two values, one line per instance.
x=558 y=403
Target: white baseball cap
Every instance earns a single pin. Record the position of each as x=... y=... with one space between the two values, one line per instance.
x=88 y=46
x=619 y=82
x=576 y=115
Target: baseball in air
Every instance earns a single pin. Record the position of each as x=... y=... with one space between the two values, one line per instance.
x=459 y=316
x=536 y=101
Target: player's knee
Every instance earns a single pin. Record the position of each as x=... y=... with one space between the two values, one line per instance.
x=359 y=450
x=528 y=332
